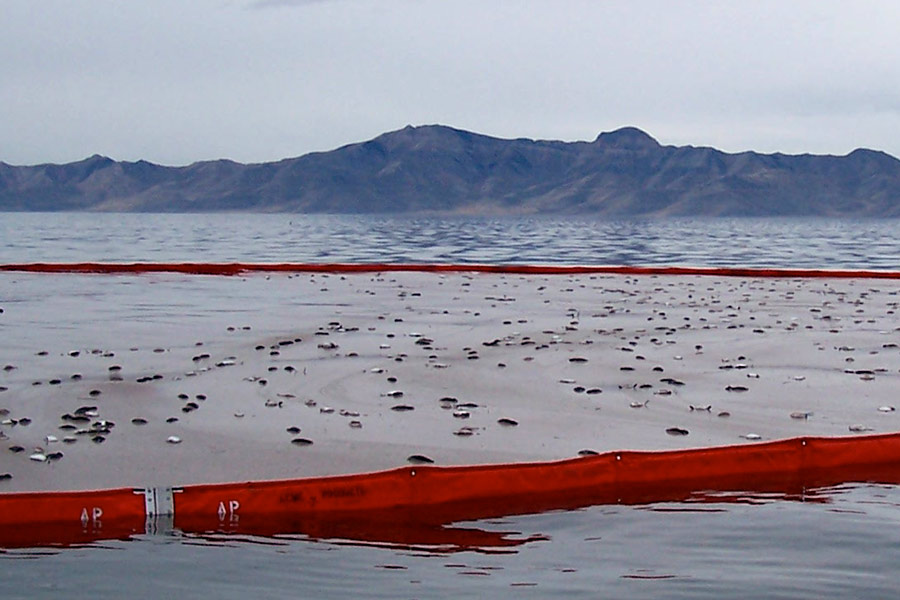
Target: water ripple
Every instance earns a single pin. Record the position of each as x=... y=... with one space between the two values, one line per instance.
x=776 y=242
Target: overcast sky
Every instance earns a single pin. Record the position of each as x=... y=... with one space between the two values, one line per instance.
x=175 y=81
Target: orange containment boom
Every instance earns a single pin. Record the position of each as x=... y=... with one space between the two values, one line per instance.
x=413 y=505
x=244 y=268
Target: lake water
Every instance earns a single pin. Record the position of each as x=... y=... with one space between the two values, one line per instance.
x=835 y=542
x=806 y=243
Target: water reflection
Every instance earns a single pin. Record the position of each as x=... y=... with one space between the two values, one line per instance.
x=437 y=528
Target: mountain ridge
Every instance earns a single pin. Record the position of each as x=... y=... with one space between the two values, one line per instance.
x=444 y=170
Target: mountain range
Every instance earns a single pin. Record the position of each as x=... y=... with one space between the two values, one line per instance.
x=435 y=169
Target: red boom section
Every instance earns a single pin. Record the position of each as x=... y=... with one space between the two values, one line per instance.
x=616 y=476
x=243 y=268
x=413 y=505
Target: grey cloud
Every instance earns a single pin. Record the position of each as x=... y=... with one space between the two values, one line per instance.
x=174 y=82
x=287 y=3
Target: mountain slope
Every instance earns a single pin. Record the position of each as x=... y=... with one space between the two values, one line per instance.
x=438 y=169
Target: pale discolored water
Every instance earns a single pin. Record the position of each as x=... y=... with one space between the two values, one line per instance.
x=838 y=542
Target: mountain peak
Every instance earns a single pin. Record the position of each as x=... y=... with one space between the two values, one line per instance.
x=423 y=137
x=433 y=130
x=627 y=138
x=97 y=158
x=877 y=155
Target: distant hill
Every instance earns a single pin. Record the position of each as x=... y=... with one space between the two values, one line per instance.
x=438 y=169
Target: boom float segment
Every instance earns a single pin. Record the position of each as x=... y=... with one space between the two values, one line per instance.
x=245 y=268
x=416 y=504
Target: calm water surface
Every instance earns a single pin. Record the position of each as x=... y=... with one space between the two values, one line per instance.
x=34 y=237
x=842 y=542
